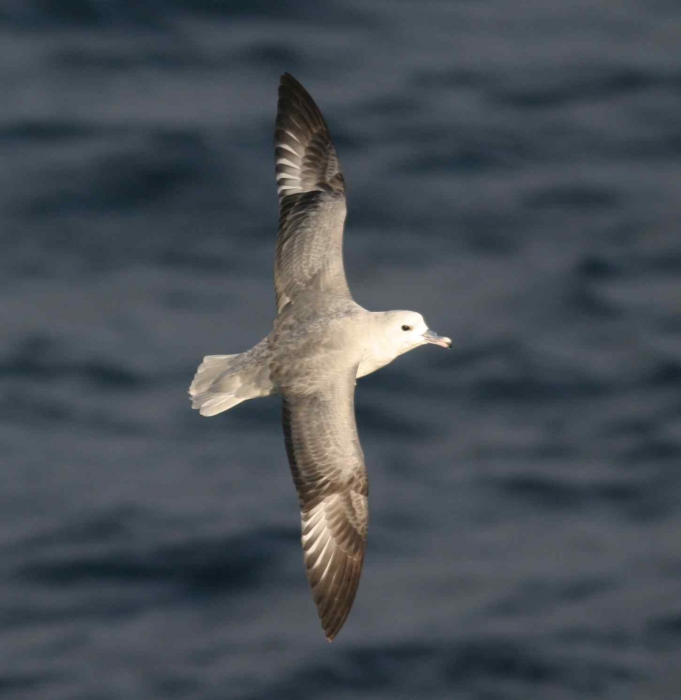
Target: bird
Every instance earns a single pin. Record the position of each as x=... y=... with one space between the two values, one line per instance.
x=321 y=342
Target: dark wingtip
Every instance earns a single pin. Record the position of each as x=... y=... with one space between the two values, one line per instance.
x=286 y=79
x=287 y=83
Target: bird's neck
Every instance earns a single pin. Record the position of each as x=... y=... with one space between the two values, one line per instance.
x=377 y=351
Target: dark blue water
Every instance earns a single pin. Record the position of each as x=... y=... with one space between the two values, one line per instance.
x=514 y=173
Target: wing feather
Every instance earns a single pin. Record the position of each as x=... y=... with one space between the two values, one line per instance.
x=328 y=470
x=311 y=192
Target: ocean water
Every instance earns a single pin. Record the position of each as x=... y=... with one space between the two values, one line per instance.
x=514 y=173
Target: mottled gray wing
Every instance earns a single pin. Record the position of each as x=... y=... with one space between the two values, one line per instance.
x=328 y=470
x=311 y=199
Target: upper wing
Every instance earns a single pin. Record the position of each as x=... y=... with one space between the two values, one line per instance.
x=328 y=470
x=311 y=199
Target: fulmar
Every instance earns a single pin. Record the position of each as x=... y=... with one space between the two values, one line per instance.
x=321 y=342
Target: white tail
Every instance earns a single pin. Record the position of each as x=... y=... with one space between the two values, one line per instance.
x=223 y=381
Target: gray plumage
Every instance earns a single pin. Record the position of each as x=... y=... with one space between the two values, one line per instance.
x=320 y=343
x=311 y=199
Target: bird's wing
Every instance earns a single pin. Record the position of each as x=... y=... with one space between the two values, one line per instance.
x=311 y=199
x=328 y=470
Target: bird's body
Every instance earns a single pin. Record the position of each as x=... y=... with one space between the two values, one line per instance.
x=321 y=342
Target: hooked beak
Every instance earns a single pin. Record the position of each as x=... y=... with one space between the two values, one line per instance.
x=431 y=337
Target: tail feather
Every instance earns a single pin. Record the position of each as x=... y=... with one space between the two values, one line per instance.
x=212 y=405
x=223 y=381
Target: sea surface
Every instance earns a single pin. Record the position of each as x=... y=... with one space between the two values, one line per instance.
x=514 y=173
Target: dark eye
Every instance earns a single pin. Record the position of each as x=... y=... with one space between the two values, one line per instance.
x=406 y=328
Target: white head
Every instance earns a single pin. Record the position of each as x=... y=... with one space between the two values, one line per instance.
x=407 y=330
